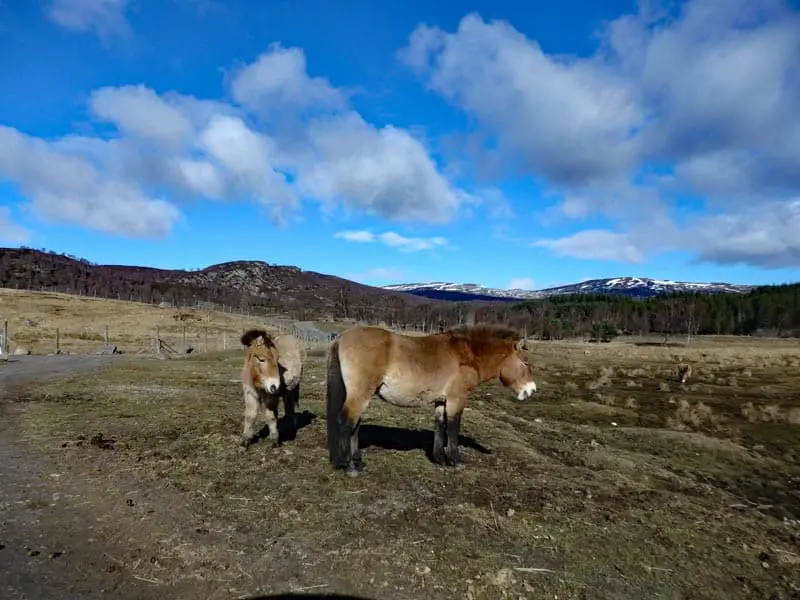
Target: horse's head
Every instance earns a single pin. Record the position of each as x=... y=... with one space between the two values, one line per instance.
x=516 y=373
x=262 y=360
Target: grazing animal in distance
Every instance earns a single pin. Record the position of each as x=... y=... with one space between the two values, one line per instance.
x=272 y=370
x=437 y=370
x=684 y=372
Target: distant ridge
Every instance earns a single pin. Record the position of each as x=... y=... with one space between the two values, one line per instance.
x=635 y=287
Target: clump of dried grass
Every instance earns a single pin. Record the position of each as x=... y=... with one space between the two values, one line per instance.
x=770 y=413
x=696 y=416
x=603 y=380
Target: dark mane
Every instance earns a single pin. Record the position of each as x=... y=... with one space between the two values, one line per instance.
x=251 y=335
x=484 y=332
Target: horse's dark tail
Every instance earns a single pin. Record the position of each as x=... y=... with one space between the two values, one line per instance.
x=335 y=396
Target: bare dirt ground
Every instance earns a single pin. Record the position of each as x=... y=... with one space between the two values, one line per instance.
x=616 y=482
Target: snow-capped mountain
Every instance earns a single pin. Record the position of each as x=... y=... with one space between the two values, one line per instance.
x=637 y=287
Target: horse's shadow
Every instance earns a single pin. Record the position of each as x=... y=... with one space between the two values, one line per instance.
x=308 y=597
x=287 y=431
x=406 y=440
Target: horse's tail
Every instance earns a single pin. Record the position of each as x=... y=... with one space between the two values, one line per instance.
x=335 y=396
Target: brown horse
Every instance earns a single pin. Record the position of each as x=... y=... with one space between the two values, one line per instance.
x=272 y=370
x=438 y=370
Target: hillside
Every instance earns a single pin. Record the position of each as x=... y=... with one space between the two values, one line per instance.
x=633 y=287
x=254 y=286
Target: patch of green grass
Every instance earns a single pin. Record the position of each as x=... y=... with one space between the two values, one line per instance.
x=594 y=490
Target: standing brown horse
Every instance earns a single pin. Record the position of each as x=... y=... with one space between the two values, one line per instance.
x=438 y=370
x=272 y=370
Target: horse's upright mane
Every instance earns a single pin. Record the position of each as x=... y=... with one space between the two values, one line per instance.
x=251 y=335
x=484 y=332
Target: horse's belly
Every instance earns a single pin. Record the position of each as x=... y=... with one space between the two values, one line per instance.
x=397 y=394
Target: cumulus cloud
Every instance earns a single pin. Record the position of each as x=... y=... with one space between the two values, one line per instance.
x=522 y=283
x=104 y=16
x=278 y=78
x=188 y=148
x=701 y=102
x=595 y=244
x=11 y=233
x=766 y=236
x=67 y=188
x=393 y=240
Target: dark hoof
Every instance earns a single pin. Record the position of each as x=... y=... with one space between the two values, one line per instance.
x=245 y=442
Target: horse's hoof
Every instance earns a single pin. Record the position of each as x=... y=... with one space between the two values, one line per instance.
x=244 y=442
x=352 y=472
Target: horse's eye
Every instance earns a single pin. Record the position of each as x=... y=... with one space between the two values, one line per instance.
x=259 y=359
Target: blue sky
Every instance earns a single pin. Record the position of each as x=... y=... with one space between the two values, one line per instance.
x=508 y=144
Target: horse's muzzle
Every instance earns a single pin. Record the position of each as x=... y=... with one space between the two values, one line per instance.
x=527 y=391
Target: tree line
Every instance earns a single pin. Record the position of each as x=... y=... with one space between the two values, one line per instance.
x=766 y=310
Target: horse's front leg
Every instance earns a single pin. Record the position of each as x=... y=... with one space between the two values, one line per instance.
x=250 y=414
x=272 y=420
x=439 y=432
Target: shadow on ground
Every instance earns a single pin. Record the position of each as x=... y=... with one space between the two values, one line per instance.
x=287 y=432
x=407 y=440
x=310 y=597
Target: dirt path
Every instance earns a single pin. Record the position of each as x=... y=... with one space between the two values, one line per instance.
x=49 y=547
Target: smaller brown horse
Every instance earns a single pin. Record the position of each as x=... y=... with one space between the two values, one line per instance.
x=437 y=370
x=272 y=370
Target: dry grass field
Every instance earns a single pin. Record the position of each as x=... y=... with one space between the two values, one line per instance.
x=617 y=481
x=34 y=317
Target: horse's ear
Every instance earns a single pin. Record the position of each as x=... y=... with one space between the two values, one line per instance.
x=259 y=341
x=522 y=344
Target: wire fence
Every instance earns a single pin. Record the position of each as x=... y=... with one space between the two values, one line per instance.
x=163 y=340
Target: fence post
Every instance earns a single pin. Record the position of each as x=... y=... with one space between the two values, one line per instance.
x=58 y=340
x=205 y=339
x=157 y=342
x=185 y=347
x=105 y=337
x=4 y=346
x=224 y=340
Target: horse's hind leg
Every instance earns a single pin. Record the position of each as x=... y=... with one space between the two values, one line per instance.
x=350 y=424
x=291 y=399
x=454 y=409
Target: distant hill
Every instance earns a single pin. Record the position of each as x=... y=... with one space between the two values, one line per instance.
x=253 y=285
x=633 y=287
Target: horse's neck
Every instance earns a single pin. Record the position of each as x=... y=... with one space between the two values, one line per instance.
x=489 y=360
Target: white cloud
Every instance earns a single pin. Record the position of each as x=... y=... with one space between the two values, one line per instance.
x=67 y=188
x=189 y=148
x=104 y=16
x=140 y=112
x=556 y=114
x=707 y=95
x=11 y=233
x=378 y=276
x=393 y=240
x=522 y=283
x=595 y=244
x=766 y=236
x=278 y=79
x=383 y=172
